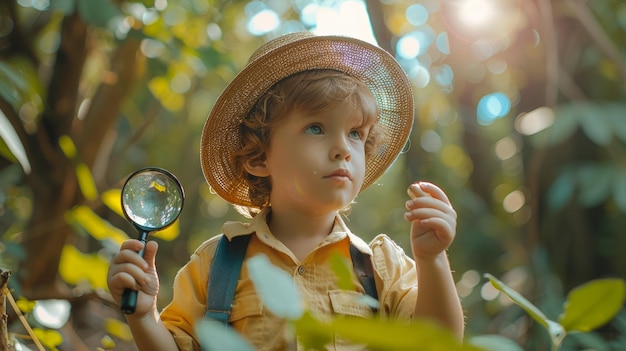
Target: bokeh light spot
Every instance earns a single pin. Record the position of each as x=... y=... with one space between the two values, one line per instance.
x=505 y=148
x=420 y=76
x=491 y=107
x=488 y=292
x=308 y=14
x=430 y=141
x=408 y=47
x=152 y=48
x=443 y=44
x=469 y=280
x=263 y=22
x=476 y=12
x=534 y=121
x=415 y=43
x=514 y=201
x=52 y=313
x=417 y=14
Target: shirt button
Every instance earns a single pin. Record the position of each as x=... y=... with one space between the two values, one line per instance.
x=301 y=270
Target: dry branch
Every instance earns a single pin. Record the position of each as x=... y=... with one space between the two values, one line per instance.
x=4 y=334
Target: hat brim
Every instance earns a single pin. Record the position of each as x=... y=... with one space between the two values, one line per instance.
x=366 y=62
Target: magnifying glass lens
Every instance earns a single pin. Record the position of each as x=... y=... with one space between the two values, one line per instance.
x=152 y=200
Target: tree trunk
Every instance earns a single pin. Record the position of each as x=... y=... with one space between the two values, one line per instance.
x=52 y=178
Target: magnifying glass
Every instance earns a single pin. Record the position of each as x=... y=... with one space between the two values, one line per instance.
x=152 y=199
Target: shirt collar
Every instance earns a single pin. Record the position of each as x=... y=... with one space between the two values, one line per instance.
x=258 y=225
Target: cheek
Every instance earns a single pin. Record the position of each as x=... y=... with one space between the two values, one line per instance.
x=359 y=158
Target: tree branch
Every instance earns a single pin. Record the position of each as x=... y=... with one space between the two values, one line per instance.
x=381 y=31
x=105 y=105
x=591 y=25
x=4 y=334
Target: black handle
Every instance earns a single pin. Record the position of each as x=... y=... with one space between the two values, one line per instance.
x=129 y=297
x=129 y=301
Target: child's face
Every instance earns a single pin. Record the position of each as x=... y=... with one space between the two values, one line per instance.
x=317 y=161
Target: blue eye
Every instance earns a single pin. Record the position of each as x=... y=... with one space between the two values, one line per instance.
x=355 y=134
x=314 y=129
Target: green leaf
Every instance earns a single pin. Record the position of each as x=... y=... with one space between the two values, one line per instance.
x=593 y=304
x=615 y=113
x=15 y=76
x=556 y=331
x=13 y=142
x=313 y=334
x=49 y=338
x=339 y=266
x=395 y=335
x=494 y=343
x=9 y=93
x=562 y=190
x=86 y=183
x=96 y=226
x=215 y=336
x=595 y=181
x=20 y=83
x=276 y=288
x=596 y=125
x=76 y=267
x=118 y=328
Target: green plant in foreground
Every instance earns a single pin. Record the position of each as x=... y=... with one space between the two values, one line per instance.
x=586 y=308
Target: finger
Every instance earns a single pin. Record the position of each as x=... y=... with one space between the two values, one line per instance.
x=133 y=270
x=150 y=253
x=130 y=257
x=446 y=213
x=434 y=191
x=431 y=203
x=132 y=244
x=415 y=191
x=124 y=280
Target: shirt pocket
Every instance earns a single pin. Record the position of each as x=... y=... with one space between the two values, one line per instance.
x=348 y=303
x=258 y=326
x=246 y=307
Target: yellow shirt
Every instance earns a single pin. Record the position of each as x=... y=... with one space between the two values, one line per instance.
x=395 y=274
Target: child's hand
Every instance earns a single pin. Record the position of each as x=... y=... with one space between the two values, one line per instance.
x=129 y=270
x=433 y=220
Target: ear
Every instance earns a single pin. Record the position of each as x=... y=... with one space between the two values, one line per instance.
x=256 y=167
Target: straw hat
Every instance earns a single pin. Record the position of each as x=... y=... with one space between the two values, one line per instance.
x=285 y=56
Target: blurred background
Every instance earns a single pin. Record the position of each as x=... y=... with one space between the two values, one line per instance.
x=520 y=118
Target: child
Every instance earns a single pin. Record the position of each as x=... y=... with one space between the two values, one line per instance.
x=308 y=124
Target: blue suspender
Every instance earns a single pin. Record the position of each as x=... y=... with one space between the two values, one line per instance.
x=226 y=268
x=362 y=264
x=224 y=276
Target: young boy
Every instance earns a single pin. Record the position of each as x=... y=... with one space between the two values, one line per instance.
x=308 y=124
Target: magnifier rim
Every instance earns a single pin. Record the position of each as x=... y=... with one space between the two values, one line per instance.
x=159 y=170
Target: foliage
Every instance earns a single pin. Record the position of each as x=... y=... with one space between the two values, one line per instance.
x=587 y=307
x=519 y=120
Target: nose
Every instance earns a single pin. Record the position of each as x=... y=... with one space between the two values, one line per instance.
x=340 y=149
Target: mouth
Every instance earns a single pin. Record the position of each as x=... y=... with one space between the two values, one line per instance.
x=340 y=174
